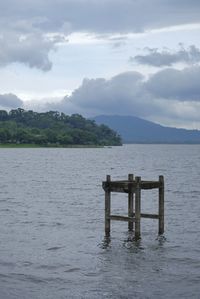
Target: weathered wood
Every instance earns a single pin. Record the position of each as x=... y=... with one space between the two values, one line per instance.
x=122 y=218
x=150 y=216
x=133 y=187
x=107 y=208
x=137 y=207
x=130 y=201
x=132 y=219
x=146 y=185
x=124 y=186
x=161 y=206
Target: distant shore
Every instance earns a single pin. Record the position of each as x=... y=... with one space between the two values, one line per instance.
x=12 y=145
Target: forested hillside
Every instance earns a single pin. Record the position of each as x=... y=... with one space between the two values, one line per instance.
x=53 y=128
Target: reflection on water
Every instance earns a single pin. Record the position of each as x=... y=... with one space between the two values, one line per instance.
x=105 y=243
x=52 y=242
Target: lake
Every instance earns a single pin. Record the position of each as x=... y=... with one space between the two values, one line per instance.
x=52 y=224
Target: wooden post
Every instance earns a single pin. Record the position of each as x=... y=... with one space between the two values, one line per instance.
x=130 y=202
x=107 y=207
x=161 y=206
x=137 y=207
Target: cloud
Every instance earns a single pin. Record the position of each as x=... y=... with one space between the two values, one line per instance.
x=101 y=95
x=27 y=27
x=21 y=41
x=182 y=85
x=10 y=101
x=169 y=97
x=102 y=16
x=166 y=57
x=32 y=50
x=168 y=94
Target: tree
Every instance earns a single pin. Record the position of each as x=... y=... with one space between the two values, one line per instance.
x=3 y=115
x=4 y=135
x=53 y=128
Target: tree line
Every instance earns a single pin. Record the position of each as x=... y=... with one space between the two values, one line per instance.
x=19 y=126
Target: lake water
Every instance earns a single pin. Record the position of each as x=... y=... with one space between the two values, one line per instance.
x=52 y=224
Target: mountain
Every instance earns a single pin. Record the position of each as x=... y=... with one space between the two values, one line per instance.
x=136 y=130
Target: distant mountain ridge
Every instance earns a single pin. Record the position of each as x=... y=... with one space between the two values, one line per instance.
x=136 y=130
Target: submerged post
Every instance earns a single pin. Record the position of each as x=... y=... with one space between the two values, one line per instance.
x=130 y=201
x=107 y=207
x=137 y=207
x=161 y=206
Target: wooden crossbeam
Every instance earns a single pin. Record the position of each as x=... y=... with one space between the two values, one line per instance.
x=122 y=218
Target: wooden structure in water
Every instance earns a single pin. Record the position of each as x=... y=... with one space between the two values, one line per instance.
x=133 y=187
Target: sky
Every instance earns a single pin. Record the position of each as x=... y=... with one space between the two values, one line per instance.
x=121 y=57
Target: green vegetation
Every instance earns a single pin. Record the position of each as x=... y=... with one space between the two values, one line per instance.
x=20 y=127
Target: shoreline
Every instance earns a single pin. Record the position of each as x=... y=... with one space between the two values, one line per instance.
x=49 y=146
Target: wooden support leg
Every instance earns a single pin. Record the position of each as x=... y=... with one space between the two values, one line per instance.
x=130 y=202
x=137 y=207
x=107 y=207
x=161 y=206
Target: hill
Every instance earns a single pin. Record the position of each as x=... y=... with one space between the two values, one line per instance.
x=53 y=129
x=136 y=130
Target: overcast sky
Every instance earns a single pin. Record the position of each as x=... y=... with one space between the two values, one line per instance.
x=126 y=57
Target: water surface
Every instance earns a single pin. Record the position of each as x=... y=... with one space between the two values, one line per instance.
x=52 y=224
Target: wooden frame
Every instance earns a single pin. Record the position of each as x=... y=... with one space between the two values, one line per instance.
x=133 y=188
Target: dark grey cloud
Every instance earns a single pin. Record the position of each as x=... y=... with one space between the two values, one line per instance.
x=103 y=95
x=102 y=16
x=166 y=57
x=32 y=50
x=182 y=85
x=168 y=94
x=10 y=101
x=26 y=27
